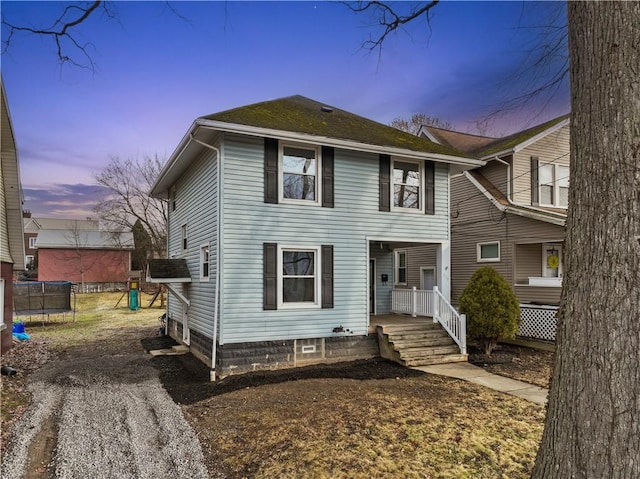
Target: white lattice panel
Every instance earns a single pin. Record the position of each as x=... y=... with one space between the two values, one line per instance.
x=538 y=322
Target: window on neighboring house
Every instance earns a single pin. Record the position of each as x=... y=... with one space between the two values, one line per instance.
x=28 y=260
x=300 y=173
x=32 y=242
x=407 y=185
x=184 y=237
x=553 y=183
x=488 y=252
x=204 y=262
x=401 y=267
x=552 y=260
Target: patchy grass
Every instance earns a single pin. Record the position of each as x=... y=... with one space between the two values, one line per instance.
x=367 y=419
x=97 y=317
x=409 y=427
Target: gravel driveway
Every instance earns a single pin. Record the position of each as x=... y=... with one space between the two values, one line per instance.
x=102 y=416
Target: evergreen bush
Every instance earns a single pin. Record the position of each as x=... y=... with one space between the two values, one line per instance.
x=492 y=308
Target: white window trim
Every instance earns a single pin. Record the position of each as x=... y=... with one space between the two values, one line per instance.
x=555 y=182
x=421 y=187
x=318 y=194
x=479 y=257
x=204 y=278
x=32 y=242
x=317 y=277
x=396 y=267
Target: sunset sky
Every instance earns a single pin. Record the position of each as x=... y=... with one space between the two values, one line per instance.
x=158 y=69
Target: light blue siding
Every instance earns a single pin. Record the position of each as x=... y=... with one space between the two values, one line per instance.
x=196 y=206
x=248 y=223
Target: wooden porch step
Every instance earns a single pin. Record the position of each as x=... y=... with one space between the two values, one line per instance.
x=422 y=342
x=427 y=325
x=417 y=335
x=437 y=359
x=418 y=344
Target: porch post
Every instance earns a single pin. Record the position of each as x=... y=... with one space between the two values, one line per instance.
x=443 y=259
x=414 y=301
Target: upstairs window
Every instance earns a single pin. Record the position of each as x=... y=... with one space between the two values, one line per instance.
x=32 y=242
x=407 y=181
x=299 y=167
x=184 y=237
x=553 y=185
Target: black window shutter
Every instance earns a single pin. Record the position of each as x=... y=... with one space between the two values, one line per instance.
x=327 y=276
x=534 y=180
x=385 y=183
x=429 y=187
x=270 y=276
x=270 y=170
x=327 y=177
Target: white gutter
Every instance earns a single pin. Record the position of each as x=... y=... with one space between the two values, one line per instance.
x=216 y=294
x=499 y=160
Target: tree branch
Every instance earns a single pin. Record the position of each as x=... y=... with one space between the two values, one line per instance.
x=389 y=19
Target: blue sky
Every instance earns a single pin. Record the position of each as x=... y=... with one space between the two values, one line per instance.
x=156 y=72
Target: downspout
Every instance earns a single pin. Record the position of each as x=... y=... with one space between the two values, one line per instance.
x=216 y=294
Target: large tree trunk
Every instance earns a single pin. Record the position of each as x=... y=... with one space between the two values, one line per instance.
x=593 y=420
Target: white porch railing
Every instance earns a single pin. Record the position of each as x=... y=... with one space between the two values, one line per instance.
x=418 y=302
x=415 y=302
x=454 y=323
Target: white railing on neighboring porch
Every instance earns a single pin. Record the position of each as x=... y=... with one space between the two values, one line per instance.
x=415 y=302
x=418 y=302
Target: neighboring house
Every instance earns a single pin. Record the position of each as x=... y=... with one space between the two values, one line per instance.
x=96 y=260
x=11 y=242
x=509 y=214
x=32 y=225
x=283 y=221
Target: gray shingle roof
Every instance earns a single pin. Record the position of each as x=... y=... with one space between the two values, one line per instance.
x=302 y=115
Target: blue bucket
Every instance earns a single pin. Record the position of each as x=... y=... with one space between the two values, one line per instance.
x=18 y=328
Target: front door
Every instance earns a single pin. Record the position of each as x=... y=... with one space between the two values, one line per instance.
x=372 y=286
x=427 y=278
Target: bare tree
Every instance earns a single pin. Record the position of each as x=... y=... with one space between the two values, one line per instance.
x=69 y=48
x=418 y=120
x=592 y=427
x=127 y=201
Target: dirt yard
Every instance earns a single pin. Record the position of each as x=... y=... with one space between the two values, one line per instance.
x=364 y=419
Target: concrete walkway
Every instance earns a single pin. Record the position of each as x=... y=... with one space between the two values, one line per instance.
x=477 y=375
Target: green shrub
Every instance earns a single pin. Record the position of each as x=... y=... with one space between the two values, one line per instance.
x=491 y=307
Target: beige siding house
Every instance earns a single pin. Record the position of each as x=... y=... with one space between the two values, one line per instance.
x=509 y=214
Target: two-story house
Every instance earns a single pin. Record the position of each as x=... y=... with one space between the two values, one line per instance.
x=509 y=214
x=284 y=217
